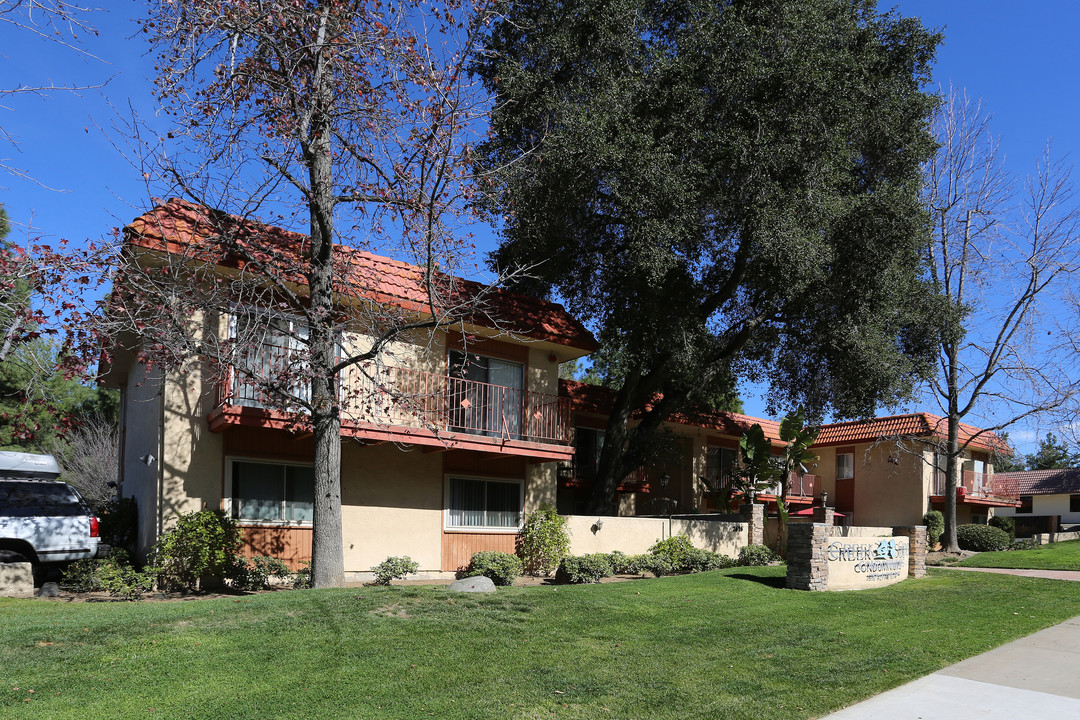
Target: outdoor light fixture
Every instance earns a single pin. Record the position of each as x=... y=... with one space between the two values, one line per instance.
x=566 y=472
x=599 y=523
x=664 y=480
x=148 y=460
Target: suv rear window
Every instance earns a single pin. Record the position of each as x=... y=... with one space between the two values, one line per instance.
x=27 y=499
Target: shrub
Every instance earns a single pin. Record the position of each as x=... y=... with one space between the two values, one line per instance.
x=623 y=564
x=757 y=555
x=935 y=526
x=981 y=538
x=394 y=568
x=543 y=541
x=502 y=568
x=1004 y=523
x=658 y=565
x=675 y=550
x=1023 y=544
x=113 y=574
x=677 y=555
x=255 y=574
x=202 y=543
x=584 y=569
x=302 y=577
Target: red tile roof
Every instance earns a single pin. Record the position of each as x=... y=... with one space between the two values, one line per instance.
x=599 y=400
x=911 y=425
x=1041 y=482
x=186 y=229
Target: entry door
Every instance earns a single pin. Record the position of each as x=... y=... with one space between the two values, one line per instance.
x=845 y=495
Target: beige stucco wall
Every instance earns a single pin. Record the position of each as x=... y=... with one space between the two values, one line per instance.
x=635 y=535
x=889 y=493
x=391 y=505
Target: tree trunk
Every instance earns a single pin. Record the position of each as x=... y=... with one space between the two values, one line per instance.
x=327 y=548
x=952 y=455
x=609 y=470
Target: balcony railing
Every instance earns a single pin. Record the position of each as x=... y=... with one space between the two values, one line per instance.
x=411 y=398
x=797 y=486
x=975 y=484
x=803 y=486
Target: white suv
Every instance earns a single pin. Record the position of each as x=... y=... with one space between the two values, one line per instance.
x=41 y=520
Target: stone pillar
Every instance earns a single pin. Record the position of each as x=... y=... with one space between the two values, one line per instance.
x=823 y=515
x=807 y=562
x=754 y=513
x=916 y=535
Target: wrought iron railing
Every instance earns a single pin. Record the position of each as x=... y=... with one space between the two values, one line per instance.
x=407 y=397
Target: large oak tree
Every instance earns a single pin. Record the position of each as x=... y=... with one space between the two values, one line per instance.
x=725 y=190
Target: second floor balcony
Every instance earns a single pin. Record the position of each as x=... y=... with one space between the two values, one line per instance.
x=976 y=486
x=398 y=404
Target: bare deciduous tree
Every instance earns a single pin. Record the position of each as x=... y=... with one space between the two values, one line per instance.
x=1002 y=256
x=88 y=457
x=349 y=120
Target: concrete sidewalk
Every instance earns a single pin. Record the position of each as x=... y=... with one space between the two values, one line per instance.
x=1037 y=676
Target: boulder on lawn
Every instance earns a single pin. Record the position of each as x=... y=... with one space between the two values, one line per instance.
x=478 y=584
x=48 y=590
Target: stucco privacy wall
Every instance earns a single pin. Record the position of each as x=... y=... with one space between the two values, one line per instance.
x=635 y=535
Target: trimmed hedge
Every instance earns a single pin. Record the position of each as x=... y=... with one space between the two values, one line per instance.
x=678 y=555
x=1004 y=523
x=981 y=538
x=757 y=555
x=935 y=526
x=584 y=568
x=502 y=568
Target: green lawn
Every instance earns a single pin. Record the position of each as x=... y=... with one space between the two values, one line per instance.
x=1055 y=556
x=726 y=644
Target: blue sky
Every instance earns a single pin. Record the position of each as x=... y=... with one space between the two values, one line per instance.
x=1019 y=57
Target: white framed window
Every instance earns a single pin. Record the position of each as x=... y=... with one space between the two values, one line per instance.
x=845 y=466
x=267 y=492
x=483 y=504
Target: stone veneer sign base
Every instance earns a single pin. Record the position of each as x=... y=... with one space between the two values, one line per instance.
x=819 y=560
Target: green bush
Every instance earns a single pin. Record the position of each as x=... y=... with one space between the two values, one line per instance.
x=113 y=574
x=1004 y=523
x=935 y=526
x=302 y=577
x=255 y=573
x=981 y=538
x=394 y=568
x=658 y=565
x=1023 y=544
x=584 y=569
x=623 y=564
x=677 y=555
x=502 y=568
x=543 y=541
x=756 y=555
x=203 y=543
x=675 y=550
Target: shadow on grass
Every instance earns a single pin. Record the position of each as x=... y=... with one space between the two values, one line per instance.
x=770 y=581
